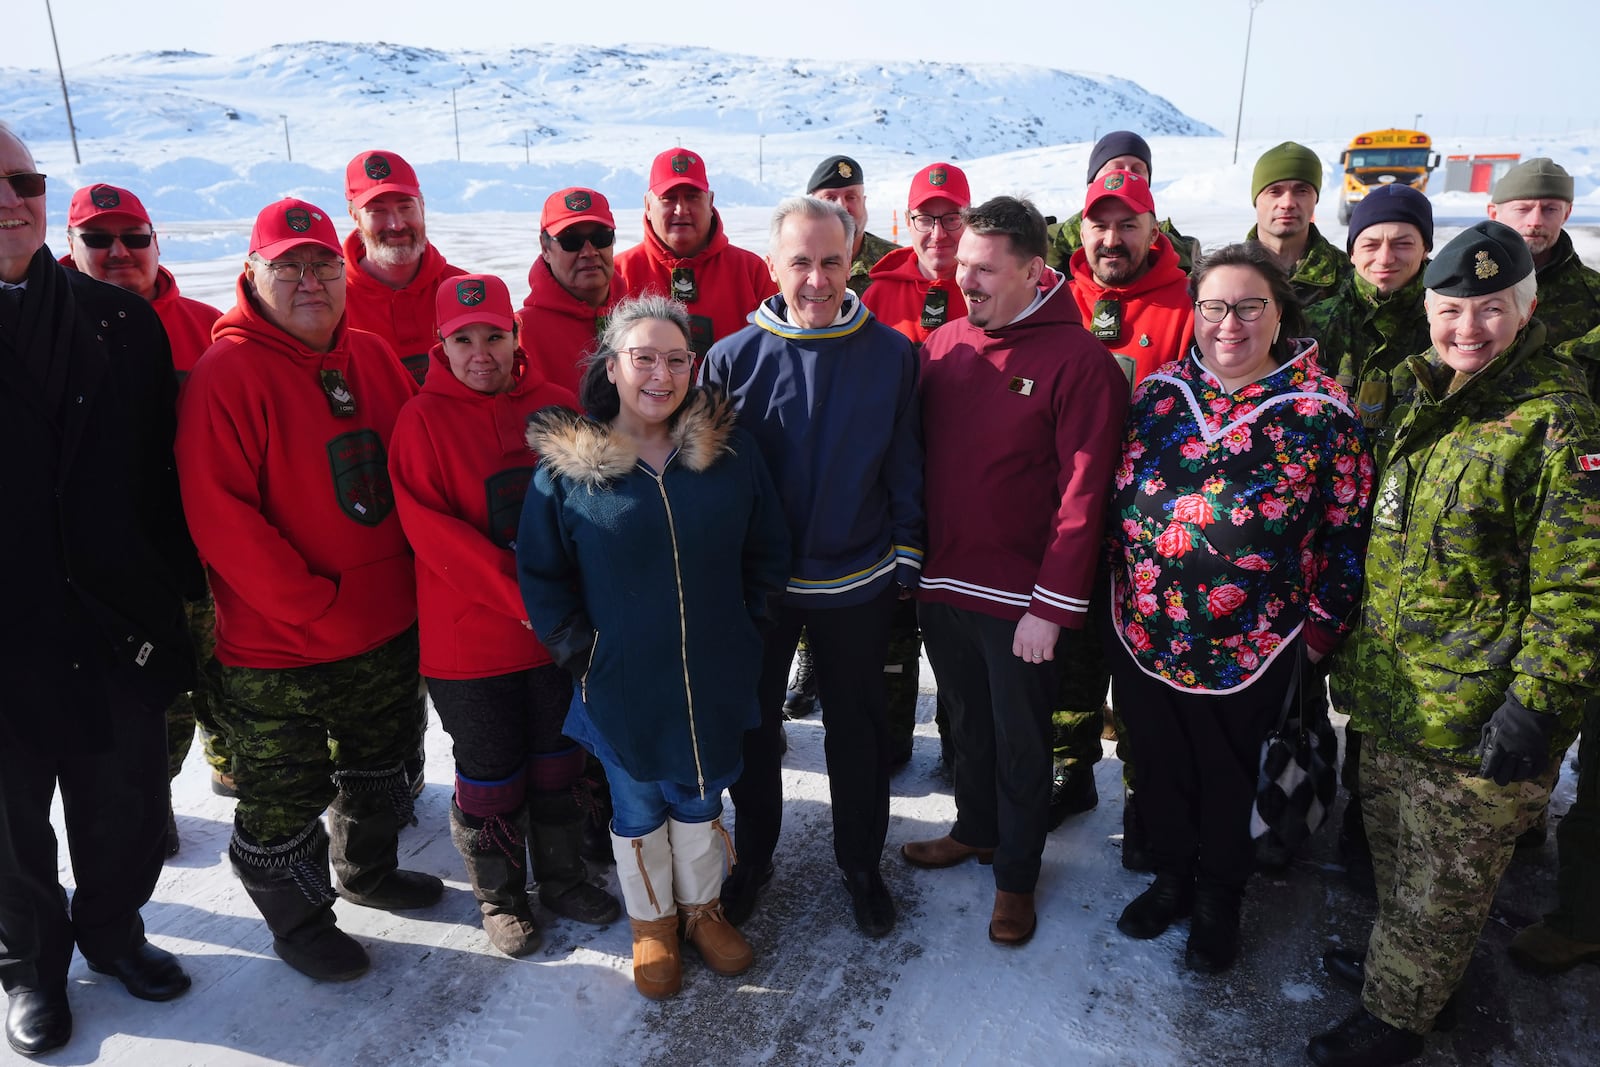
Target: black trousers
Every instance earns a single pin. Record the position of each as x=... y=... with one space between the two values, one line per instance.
x=1199 y=756
x=115 y=802
x=848 y=646
x=1000 y=708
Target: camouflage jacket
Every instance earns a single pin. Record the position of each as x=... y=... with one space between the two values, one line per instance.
x=1569 y=294
x=1318 y=274
x=1483 y=569
x=1067 y=237
x=1585 y=352
x=1365 y=342
x=873 y=248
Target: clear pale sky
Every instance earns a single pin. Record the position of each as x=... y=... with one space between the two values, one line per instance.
x=1315 y=67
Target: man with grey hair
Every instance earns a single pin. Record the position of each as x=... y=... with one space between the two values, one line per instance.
x=830 y=394
x=1535 y=199
x=95 y=647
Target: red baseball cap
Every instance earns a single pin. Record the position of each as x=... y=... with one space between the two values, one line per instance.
x=376 y=171
x=469 y=298
x=569 y=206
x=939 y=179
x=1123 y=185
x=94 y=202
x=286 y=224
x=677 y=166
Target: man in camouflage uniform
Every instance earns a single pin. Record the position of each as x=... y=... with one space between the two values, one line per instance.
x=840 y=180
x=1285 y=188
x=1535 y=199
x=1117 y=150
x=1478 y=638
x=1365 y=333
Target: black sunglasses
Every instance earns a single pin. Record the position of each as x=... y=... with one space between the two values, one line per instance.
x=571 y=241
x=26 y=184
x=101 y=239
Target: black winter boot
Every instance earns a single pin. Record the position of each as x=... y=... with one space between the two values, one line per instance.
x=364 y=823
x=493 y=849
x=1169 y=898
x=593 y=794
x=289 y=884
x=1364 y=1040
x=801 y=698
x=1072 y=792
x=1214 y=927
x=556 y=827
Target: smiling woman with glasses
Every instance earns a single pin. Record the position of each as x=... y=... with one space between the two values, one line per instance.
x=652 y=542
x=1239 y=517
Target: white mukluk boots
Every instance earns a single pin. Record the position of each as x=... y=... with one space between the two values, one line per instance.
x=669 y=876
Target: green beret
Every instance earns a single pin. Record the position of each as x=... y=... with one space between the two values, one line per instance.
x=835 y=172
x=1482 y=259
x=1533 y=179
x=1287 y=162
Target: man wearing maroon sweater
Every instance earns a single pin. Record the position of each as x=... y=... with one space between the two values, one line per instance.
x=282 y=452
x=1024 y=414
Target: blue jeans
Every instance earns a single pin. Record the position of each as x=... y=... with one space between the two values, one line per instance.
x=637 y=808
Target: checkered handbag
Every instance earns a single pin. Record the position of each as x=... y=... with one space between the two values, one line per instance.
x=1299 y=769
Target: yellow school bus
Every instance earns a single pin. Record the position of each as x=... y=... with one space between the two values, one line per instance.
x=1383 y=157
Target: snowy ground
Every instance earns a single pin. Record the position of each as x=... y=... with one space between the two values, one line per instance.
x=934 y=992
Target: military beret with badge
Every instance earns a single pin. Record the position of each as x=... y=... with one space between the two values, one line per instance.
x=1484 y=258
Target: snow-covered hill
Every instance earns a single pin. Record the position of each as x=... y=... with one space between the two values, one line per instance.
x=589 y=114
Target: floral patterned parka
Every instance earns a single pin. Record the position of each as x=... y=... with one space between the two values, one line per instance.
x=1239 y=520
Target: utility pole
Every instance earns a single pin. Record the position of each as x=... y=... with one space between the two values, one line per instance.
x=761 y=165
x=527 y=153
x=456 y=116
x=65 y=99
x=1238 y=121
x=287 y=149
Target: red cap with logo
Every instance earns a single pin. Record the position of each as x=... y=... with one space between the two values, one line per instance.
x=289 y=223
x=1123 y=185
x=94 y=202
x=569 y=206
x=376 y=171
x=677 y=166
x=939 y=179
x=469 y=298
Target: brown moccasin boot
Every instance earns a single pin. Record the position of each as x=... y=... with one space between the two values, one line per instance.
x=657 y=963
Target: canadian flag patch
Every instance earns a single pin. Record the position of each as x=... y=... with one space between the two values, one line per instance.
x=1589 y=462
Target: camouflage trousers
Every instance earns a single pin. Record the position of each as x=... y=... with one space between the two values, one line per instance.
x=1577 y=913
x=1085 y=680
x=1441 y=838
x=291 y=728
x=194 y=708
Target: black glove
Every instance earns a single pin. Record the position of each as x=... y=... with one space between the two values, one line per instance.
x=1516 y=743
x=571 y=643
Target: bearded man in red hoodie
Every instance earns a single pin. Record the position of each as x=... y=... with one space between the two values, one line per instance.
x=282 y=450
x=1024 y=415
x=394 y=269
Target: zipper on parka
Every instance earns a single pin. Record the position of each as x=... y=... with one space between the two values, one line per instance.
x=683 y=629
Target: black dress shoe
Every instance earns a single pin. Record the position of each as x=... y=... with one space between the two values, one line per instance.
x=147 y=972
x=740 y=889
x=1169 y=898
x=38 y=1022
x=1349 y=968
x=1364 y=1040
x=870 y=898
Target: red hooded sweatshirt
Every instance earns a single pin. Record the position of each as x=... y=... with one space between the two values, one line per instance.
x=461 y=468
x=187 y=322
x=729 y=282
x=1023 y=427
x=1157 y=314
x=403 y=317
x=898 y=295
x=289 y=504
x=557 y=329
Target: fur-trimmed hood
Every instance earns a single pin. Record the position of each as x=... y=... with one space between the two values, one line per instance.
x=593 y=454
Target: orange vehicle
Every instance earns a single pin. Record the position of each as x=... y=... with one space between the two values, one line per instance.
x=1383 y=157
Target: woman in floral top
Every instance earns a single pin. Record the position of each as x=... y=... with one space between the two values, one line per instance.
x=1239 y=524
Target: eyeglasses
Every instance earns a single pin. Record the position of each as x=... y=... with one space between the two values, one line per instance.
x=951 y=222
x=101 y=239
x=26 y=184
x=293 y=270
x=1247 y=310
x=572 y=241
x=678 y=359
